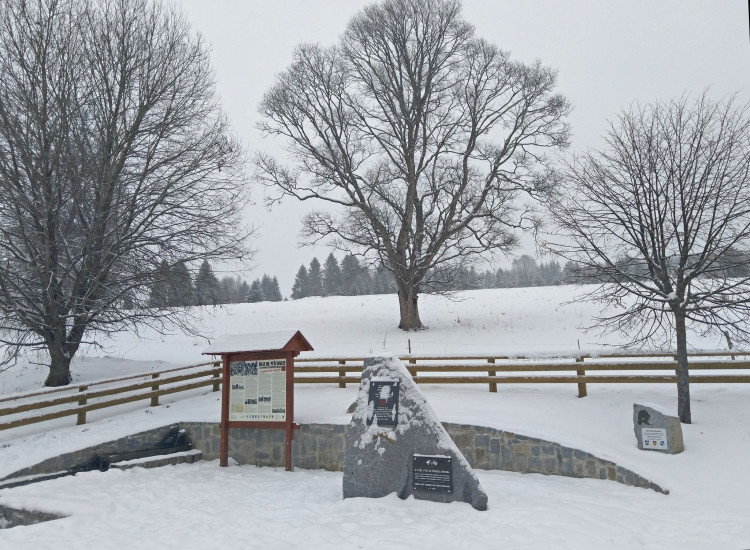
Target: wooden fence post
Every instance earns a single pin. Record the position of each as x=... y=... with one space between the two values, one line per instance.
x=216 y=377
x=81 y=419
x=581 y=385
x=342 y=373
x=493 y=385
x=155 y=398
x=412 y=368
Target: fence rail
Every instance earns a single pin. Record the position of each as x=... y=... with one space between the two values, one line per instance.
x=79 y=399
x=605 y=368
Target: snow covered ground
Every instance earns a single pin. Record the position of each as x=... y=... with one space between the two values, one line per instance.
x=203 y=506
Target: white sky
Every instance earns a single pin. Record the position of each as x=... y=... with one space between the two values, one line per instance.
x=609 y=54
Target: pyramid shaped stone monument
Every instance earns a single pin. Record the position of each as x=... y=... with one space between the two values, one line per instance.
x=395 y=443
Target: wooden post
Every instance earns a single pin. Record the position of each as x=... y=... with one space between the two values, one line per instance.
x=289 y=425
x=217 y=377
x=224 y=426
x=155 y=398
x=581 y=385
x=493 y=385
x=342 y=373
x=412 y=368
x=81 y=419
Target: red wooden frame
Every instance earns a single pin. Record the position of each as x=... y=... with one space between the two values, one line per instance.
x=291 y=350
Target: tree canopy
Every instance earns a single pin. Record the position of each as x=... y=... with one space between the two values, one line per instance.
x=115 y=161
x=661 y=217
x=420 y=135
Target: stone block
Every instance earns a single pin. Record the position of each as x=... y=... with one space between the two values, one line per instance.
x=550 y=466
x=506 y=454
x=521 y=449
x=656 y=430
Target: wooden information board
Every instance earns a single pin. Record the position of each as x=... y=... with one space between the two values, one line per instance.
x=258 y=384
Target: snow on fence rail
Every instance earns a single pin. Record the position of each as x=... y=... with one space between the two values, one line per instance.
x=77 y=400
x=593 y=368
x=612 y=368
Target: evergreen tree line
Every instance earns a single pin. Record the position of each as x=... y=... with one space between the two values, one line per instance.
x=175 y=287
x=351 y=278
x=524 y=272
x=348 y=278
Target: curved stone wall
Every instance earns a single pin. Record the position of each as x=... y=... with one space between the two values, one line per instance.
x=321 y=446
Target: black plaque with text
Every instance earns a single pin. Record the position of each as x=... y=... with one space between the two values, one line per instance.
x=432 y=473
x=383 y=398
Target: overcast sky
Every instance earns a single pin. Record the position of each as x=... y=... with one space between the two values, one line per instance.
x=609 y=54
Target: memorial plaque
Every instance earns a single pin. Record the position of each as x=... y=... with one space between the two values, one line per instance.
x=383 y=401
x=432 y=473
x=654 y=438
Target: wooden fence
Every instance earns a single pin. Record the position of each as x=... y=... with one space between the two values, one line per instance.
x=77 y=400
x=633 y=368
x=607 y=368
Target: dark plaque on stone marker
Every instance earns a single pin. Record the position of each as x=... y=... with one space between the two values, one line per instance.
x=433 y=473
x=383 y=402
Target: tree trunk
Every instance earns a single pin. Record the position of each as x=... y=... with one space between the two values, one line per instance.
x=407 y=303
x=59 y=367
x=683 y=375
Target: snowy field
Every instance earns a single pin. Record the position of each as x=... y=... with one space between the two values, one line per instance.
x=203 y=506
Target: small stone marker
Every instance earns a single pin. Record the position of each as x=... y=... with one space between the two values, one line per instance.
x=395 y=443
x=657 y=430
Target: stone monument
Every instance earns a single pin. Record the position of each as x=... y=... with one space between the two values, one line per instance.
x=657 y=430
x=395 y=443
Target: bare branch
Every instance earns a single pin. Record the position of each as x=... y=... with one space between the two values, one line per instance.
x=423 y=133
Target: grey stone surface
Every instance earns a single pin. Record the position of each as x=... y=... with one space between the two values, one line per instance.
x=321 y=446
x=15 y=517
x=379 y=459
x=657 y=430
x=67 y=461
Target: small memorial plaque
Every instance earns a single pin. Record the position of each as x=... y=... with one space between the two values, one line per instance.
x=383 y=402
x=654 y=438
x=432 y=473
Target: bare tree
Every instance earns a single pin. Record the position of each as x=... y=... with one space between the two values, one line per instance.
x=114 y=156
x=661 y=217
x=423 y=133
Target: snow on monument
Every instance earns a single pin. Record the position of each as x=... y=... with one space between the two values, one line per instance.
x=395 y=443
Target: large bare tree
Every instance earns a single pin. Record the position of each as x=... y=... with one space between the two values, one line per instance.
x=661 y=217
x=114 y=156
x=419 y=135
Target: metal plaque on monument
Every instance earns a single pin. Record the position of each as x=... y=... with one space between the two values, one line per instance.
x=383 y=398
x=432 y=473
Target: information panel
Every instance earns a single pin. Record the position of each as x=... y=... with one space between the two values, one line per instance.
x=257 y=390
x=432 y=473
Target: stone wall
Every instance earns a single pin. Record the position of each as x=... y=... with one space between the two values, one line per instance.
x=321 y=446
x=490 y=449
x=68 y=461
x=315 y=446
